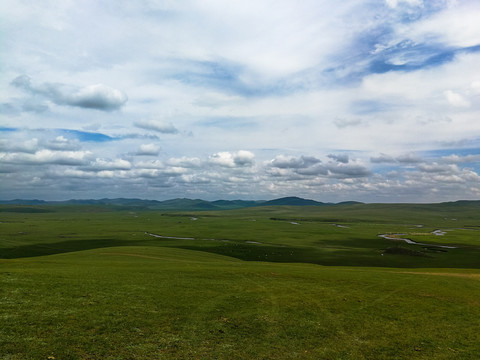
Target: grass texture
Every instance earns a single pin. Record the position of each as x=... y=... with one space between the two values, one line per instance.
x=271 y=283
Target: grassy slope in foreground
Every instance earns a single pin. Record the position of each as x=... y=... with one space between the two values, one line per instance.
x=161 y=303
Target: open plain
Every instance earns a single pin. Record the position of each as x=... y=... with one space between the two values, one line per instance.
x=267 y=282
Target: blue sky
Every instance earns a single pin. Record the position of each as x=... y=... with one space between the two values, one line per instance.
x=368 y=100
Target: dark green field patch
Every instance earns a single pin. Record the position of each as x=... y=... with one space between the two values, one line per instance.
x=398 y=250
x=25 y=209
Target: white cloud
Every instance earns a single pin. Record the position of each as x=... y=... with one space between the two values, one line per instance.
x=457 y=25
x=383 y=158
x=475 y=86
x=309 y=166
x=188 y=162
x=342 y=158
x=148 y=149
x=156 y=125
x=62 y=143
x=243 y=157
x=455 y=99
x=154 y=164
x=46 y=156
x=292 y=162
x=99 y=96
x=438 y=168
x=394 y=3
x=457 y=159
x=408 y=158
x=351 y=170
x=26 y=146
x=229 y=159
x=108 y=165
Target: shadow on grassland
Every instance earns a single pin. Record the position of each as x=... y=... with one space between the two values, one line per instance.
x=358 y=257
x=344 y=256
x=33 y=250
x=236 y=250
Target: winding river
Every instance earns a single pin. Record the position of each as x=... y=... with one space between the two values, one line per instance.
x=409 y=241
x=384 y=236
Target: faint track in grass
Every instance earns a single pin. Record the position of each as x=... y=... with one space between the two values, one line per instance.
x=145 y=256
x=463 y=275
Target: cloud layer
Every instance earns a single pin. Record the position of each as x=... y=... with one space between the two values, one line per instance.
x=97 y=96
x=354 y=100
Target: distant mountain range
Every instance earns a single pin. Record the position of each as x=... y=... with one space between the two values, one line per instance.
x=194 y=204
x=176 y=204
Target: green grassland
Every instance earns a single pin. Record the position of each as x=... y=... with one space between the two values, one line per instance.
x=280 y=282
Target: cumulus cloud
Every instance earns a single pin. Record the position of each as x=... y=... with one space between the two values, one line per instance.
x=148 y=150
x=98 y=96
x=291 y=166
x=184 y=161
x=156 y=125
x=108 y=165
x=408 y=158
x=62 y=143
x=291 y=162
x=438 y=168
x=228 y=172
x=314 y=170
x=342 y=158
x=438 y=176
x=383 y=159
x=194 y=179
x=339 y=170
x=26 y=146
x=229 y=159
x=457 y=159
x=45 y=156
x=243 y=158
x=153 y=164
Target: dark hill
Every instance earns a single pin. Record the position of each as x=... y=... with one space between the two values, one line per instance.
x=350 y=203
x=236 y=204
x=23 y=202
x=184 y=204
x=292 y=201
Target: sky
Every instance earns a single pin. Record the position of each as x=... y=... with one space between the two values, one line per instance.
x=365 y=100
